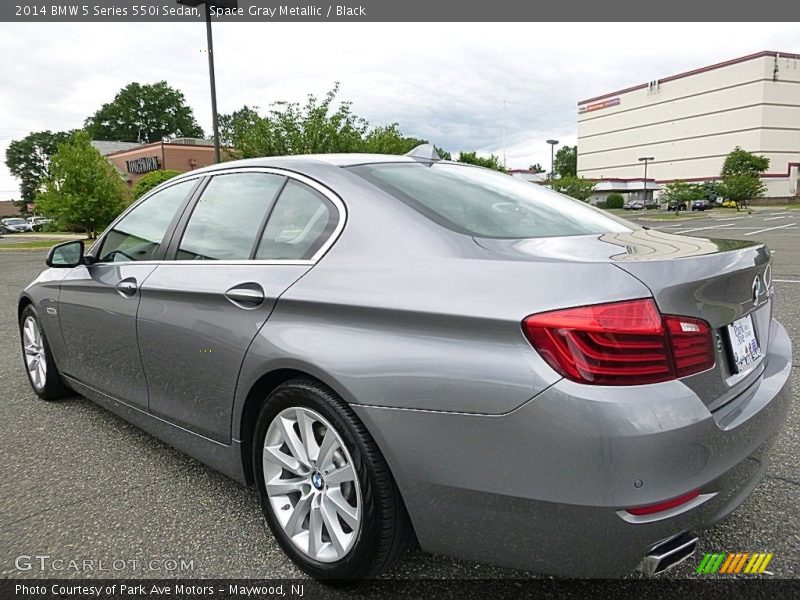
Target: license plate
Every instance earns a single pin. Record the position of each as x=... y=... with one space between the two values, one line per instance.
x=744 y=345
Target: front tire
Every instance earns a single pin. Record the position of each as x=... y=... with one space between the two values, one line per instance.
x=325 y=489
x=39 y=364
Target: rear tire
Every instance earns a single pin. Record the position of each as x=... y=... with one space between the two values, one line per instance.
x=40 y=367
x=373 y=529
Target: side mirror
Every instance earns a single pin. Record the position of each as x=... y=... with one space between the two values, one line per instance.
x=66 y=255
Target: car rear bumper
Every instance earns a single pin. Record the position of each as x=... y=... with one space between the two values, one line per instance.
x=542 y=488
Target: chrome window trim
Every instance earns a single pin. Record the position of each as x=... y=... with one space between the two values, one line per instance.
x=341 y=209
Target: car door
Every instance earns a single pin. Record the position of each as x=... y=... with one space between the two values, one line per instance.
x=98 y=302
x=250 y=235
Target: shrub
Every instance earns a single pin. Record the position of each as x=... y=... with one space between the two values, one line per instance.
x=150 y=180
x=615 y=200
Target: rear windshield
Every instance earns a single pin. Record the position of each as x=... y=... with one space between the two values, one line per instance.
x=485 y=203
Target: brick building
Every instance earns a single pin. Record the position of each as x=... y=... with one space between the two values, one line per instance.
x=135 y=160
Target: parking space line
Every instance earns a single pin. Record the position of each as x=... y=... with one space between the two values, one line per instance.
x=786 y=280
x=775 y=218
x=708 y=227
x=771 y=228
x=733 y=218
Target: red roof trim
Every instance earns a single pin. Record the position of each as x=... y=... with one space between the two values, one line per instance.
x=726 y=63
x=711 y=178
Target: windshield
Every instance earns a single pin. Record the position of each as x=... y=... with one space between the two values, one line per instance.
x=485 y=203
x=16 y=222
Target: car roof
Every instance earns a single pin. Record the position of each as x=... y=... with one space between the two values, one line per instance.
x=306 y=161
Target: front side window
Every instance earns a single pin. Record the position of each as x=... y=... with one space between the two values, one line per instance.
x=138 y=234
x=227 y=218
x=301 y=222
x=484 y=203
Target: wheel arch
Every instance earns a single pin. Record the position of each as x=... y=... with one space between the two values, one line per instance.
x=24 y=301
x=257 y=395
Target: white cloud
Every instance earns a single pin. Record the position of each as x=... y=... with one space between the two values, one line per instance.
x=444 y=81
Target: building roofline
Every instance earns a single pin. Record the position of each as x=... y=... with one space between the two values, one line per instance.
x=727 y=63
x=166 y=143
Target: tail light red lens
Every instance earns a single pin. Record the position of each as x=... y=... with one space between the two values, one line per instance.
x=621 y=343
x=692 y=345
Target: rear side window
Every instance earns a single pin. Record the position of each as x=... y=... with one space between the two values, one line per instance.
x=299 y=224
x=138 y=234
x=484 y=203
x=227 y=218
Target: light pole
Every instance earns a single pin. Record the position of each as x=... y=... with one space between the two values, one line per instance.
x=552 y=159
x=645 y=160
x=212 y=78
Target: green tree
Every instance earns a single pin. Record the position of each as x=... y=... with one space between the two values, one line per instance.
x=490 y=162
x=83 y=188
x=742 y=188
x=615 y=200
x=144 y=113
x=741 y=176
x=682 y=192
x=443 y=154
x=742 y=162
x=537 y=168
x=575 y=187
x=565 y=163
x=151 y=180
x=389 y=140
x=319 y=126
x=28 y=160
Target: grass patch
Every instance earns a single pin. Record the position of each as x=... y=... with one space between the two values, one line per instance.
x=36 y=244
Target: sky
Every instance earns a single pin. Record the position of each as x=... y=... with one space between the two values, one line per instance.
x=454 y=84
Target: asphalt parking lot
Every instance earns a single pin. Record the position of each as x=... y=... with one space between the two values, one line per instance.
x=77 y=482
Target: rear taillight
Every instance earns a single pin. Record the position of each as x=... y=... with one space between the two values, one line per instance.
x=621 y=343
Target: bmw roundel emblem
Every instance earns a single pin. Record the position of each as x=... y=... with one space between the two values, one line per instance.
x=316 y=480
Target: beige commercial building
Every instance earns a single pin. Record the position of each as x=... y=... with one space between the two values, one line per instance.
x=688 y=123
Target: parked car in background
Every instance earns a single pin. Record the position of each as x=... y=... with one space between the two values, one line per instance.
x=633 y=205
x=701 y=204
x=401 y=349
x=37 y=223
x=676 y=206
x=15 y=225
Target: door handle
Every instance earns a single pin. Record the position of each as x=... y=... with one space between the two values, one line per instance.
x=127 y=287
x=248 y=295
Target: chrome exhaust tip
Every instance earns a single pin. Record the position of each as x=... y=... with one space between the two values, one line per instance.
x=667 y=554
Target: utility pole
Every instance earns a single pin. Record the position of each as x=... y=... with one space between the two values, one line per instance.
x=212 y=78
x=504 y=134
x=552 y=158
x=645 y=160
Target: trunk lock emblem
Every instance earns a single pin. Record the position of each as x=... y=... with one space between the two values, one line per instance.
x=756 y=290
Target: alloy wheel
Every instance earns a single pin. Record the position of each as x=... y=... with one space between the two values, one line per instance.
x=311 y=484
x=35 y=357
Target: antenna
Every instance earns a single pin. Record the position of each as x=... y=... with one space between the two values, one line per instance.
x=424 y=151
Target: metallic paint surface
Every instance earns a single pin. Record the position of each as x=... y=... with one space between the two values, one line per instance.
x=498 y=459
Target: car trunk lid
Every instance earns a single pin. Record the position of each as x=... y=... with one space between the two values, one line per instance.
x=719 y=281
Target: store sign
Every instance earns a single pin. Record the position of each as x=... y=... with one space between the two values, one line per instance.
x=598 y=105
x=143 y=165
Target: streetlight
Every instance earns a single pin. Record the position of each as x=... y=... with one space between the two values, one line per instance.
x=552 y=149
x=645 y=160
x=214 y=116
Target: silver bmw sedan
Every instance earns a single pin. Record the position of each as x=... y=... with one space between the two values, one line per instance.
x=399 y=349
